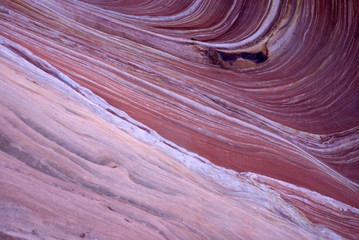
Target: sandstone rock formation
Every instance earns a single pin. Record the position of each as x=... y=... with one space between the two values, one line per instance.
x=186 y=119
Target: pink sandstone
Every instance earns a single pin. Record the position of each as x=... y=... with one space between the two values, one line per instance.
x=188 y=119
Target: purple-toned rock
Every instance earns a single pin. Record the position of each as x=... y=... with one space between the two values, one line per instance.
x=190 y=119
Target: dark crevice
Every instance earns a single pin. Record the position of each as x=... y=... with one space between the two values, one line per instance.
x=258 y=57
x=228 y=56
x=254 y=57
x=224 y=58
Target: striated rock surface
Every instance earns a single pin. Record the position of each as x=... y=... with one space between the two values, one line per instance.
x=186 y=119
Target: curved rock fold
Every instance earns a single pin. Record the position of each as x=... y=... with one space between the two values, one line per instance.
x=189 y=119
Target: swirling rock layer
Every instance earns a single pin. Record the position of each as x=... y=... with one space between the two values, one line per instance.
x=110 y=110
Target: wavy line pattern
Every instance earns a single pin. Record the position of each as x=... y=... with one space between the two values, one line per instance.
x=268 y=89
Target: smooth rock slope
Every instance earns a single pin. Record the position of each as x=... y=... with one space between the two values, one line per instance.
x=188 y=119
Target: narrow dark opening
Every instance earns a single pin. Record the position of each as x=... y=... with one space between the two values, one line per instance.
x=228 y=56
x=255 y=57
